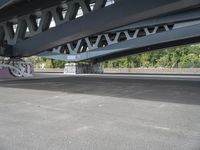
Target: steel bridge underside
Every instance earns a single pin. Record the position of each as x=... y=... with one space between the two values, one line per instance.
x=95 y=30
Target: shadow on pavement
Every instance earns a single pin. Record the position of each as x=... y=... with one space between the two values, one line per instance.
x=184 y=92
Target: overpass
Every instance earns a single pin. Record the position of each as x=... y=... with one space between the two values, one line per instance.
x=95 y=30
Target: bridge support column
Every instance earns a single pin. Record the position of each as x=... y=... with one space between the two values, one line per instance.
x=15 y=68
x=83 y=68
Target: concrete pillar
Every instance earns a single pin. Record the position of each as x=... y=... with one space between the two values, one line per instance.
x=83 y=68
x=15 y=68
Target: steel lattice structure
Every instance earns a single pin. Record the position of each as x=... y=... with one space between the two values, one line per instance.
x=95 y=30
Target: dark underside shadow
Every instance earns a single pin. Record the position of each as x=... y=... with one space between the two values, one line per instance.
x=172 y=91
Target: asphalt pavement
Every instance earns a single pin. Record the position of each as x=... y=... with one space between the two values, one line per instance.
x=100 y=112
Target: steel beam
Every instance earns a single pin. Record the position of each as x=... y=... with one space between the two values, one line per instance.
x=4 y=3
x=176 y=37
x=26 y=8
x=41 y=19
x=122 y=13
x=189 y=15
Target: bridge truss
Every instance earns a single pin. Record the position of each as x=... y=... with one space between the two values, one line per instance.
x=95 y=30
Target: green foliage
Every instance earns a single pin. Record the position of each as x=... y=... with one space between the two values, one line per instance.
x=183 y=57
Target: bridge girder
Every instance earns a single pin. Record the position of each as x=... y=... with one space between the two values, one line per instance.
x=121 y=25
x=174 y=37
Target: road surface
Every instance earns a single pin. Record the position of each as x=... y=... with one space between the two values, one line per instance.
x=100 y=112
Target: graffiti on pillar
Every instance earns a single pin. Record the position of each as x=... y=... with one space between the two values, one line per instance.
x=18 y=68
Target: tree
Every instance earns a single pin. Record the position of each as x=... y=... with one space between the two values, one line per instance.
x=185 y=56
